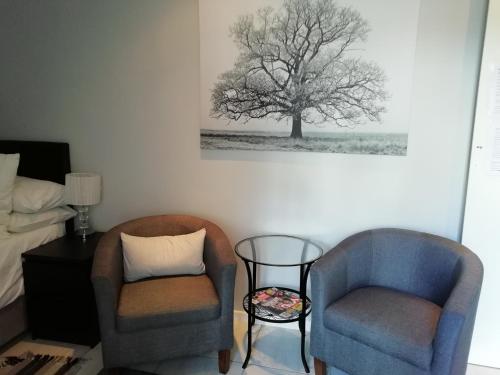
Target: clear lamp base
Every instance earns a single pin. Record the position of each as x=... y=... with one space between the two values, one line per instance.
x=84 y=227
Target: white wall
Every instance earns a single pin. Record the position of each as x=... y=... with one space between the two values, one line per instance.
x=119 y=81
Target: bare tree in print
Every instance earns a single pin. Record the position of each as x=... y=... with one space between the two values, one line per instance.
x=295 y=62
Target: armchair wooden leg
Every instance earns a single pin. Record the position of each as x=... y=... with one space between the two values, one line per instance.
x=224 y=361
x=319 y=367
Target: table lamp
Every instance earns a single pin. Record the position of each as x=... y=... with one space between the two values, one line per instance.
x=83 y=190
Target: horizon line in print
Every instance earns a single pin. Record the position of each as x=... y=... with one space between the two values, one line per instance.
x=368 y=143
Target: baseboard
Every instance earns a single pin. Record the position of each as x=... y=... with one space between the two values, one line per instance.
x=243 y=316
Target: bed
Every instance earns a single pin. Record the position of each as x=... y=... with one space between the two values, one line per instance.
x=44 y=161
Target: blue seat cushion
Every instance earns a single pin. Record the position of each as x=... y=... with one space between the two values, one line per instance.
x=395 y=323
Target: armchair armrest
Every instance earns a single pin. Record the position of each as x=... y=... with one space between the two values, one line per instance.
x=454 y=331
x=220 y=264
x=342 y=269
x=339 y=271
x=328 y=281
x=107 y=278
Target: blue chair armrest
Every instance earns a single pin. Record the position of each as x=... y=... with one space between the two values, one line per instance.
x=329 y=279
x=454 y=331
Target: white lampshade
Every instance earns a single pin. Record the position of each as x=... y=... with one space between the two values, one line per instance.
x=83 y=189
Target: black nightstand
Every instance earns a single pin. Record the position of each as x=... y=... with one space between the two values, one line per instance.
x=59 y=295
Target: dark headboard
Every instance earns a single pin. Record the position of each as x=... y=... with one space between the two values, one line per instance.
x=40 y=160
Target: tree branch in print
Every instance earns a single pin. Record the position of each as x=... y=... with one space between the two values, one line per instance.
x=294 y=62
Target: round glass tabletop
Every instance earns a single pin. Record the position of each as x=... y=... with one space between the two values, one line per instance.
x=278 y=250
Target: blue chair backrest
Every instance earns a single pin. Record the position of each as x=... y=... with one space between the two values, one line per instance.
x=412 y=262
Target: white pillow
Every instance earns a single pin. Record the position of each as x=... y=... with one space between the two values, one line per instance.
x=8 y=171
x=3 y=232
x=163 y=255
x=20 y=222
x=31 y=195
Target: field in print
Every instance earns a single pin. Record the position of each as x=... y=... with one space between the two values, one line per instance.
x=344 y=143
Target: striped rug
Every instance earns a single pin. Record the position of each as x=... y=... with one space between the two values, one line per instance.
x=41 y=357
x=30 y=363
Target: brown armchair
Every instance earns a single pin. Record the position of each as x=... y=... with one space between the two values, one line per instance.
x=156 y=319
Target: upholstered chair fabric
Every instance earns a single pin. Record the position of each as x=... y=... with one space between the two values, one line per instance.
x=395 y=302
x=167 y=317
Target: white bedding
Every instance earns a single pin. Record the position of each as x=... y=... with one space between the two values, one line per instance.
x=11 y=248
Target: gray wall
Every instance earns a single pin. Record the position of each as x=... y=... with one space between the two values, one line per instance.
x=119 y=80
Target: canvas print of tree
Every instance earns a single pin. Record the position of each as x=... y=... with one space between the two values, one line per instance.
x=307 y=75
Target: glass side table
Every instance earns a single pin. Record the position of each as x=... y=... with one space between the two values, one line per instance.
x=277 y=304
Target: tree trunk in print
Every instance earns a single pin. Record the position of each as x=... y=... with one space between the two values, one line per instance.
x=297 y=126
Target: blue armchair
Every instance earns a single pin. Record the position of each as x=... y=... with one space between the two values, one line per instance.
x=394 y=302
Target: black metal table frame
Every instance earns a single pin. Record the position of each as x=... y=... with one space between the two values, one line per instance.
x=252 y=288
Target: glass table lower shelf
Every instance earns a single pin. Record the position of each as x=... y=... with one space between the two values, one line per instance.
x=276 y=305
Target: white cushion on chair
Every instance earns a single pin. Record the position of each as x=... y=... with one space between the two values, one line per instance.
x=145 y=257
